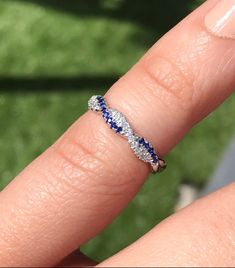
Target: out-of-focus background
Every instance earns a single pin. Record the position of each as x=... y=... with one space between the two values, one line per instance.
x=54 y=54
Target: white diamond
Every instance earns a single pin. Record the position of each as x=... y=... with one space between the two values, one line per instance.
x=140 y=151
x=93 y=104
x=122 y=122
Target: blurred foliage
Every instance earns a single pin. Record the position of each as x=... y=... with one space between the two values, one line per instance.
x=54 y=55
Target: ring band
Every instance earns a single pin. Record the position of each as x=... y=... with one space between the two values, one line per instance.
x=118 y=123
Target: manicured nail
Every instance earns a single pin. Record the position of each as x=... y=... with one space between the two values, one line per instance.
x=221 y=19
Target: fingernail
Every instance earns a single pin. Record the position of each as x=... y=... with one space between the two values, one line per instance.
x=221 y=19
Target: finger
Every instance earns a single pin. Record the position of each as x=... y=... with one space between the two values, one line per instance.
x=201 y=235
x=81 y=183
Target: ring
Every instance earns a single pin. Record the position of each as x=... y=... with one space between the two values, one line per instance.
x=118 y=123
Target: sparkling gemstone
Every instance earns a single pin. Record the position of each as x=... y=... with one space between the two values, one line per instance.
x=140 y=149
x=147 y=146
x=121 y=122
x=93 y=103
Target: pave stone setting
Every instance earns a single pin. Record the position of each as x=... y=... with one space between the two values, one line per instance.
x=118 y=123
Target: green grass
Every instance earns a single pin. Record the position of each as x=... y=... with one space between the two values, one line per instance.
x=54 y=55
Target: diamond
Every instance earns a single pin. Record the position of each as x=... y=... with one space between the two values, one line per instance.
x=121 y=122
x=138 y=145
x=93 y=104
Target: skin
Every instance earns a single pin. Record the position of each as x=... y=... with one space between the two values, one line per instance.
x=82 y=182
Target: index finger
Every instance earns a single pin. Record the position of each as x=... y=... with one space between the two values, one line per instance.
x=88 y=176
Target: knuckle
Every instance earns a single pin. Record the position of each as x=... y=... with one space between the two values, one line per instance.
x=84 y=164
x=166 y=81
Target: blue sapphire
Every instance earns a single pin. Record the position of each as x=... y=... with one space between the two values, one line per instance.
x=114 y=125
x=153 y=154
x=119 y=129
x=106 y=117
x=101 y=102
x=106 y=114
x=155 y=159
x=147 y=145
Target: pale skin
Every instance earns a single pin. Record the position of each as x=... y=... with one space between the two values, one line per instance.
x=82 y=182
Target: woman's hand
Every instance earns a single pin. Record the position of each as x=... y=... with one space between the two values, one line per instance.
x=82 y=182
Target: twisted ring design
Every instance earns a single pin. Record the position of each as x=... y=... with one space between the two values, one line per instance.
x=118 y=123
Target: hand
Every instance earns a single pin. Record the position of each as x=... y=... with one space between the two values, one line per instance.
x=82 y=182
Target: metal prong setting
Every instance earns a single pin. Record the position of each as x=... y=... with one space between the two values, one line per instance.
x=159 y=166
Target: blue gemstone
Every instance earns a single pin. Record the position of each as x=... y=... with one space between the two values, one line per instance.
x=114 y=126
x=147 y=146
x=119 y=129
x=155 y=160
x=154 y=157
x=106 y=119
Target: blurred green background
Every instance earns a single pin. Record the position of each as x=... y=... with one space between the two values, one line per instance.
x=54 y=55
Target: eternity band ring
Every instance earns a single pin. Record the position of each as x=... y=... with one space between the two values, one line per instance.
x=118 y=123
